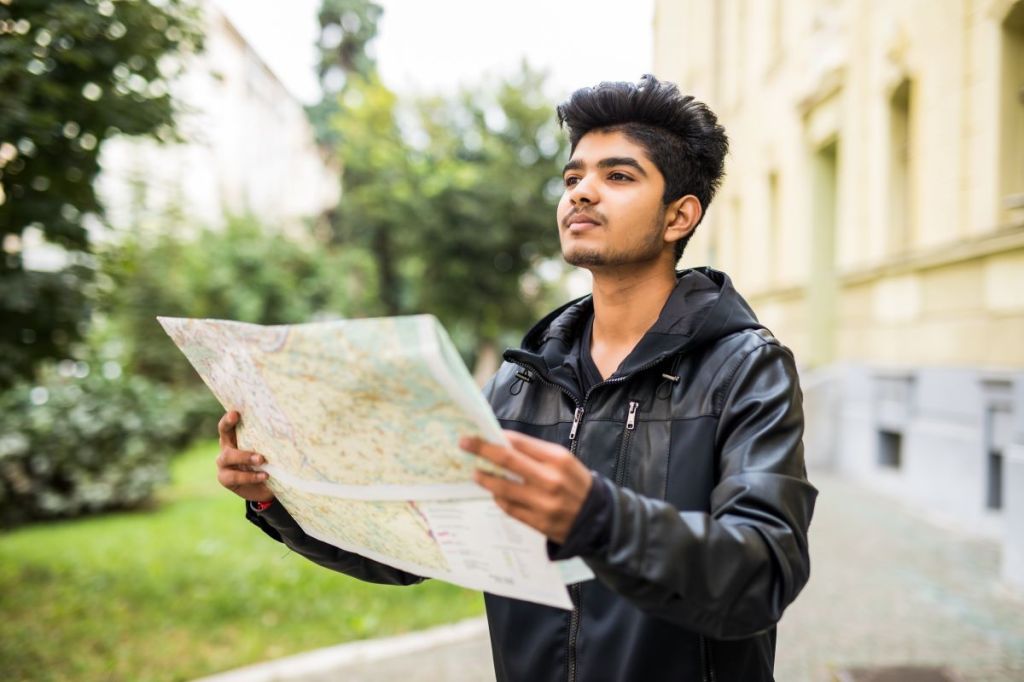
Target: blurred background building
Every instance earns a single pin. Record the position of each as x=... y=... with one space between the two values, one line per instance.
x=249 y=148
x=873 y=213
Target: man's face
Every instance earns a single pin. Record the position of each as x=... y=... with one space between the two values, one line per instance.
x=611 y=212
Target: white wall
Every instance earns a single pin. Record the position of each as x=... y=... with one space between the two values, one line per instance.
x=249 y=148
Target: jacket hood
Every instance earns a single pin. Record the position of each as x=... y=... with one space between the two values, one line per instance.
x=703 y=308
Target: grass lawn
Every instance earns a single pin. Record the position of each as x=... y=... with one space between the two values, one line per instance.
x=185 y=590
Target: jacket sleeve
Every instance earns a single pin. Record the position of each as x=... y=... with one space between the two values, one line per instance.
x=279 y=524
x=729 y=573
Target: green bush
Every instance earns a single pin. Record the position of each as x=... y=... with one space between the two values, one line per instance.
x=94 y=435
x=245 y=272
x=86 y=439
x=198 y=413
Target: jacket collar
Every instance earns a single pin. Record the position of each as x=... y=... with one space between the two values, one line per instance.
x=702 y=308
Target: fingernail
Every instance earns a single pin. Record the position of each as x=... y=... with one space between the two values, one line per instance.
x=256 y=459
x=264 y=475
x=464 y=442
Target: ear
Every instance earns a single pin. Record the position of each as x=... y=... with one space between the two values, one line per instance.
x=681 y=217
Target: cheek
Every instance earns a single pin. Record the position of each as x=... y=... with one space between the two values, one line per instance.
x=564 y=206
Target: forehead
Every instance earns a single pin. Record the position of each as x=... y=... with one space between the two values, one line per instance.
x=604 y=144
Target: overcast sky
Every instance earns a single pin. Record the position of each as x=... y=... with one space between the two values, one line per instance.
x=436 y=46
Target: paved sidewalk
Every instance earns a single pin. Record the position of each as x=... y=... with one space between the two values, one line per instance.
x=887 y=588
x=449 y=653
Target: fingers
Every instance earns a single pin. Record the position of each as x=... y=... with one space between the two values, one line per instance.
x=233 y=458
x=542 y=513
x=233 y=478
x=505 y=457
x=235 y=467
x=505 y=489
x=520 y=512
x=226 y=429
x=541 y=450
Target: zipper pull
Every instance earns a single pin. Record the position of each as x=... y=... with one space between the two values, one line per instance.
x=576 y=417
x=631 y=419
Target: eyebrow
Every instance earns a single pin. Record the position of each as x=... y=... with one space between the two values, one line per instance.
x=610 y=162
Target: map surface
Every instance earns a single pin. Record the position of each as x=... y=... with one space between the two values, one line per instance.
x=359 y=422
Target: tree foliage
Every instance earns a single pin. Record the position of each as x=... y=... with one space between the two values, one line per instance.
x=380 y=209
x=86 y=438
x=242 y=272
x=347 y=28
x=458 y=204
x=452 y=195
x=490 y=185
x=73 y=73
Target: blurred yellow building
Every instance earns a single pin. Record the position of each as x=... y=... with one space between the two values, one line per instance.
x=873 y=214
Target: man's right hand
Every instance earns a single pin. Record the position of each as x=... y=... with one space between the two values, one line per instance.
x=234 y=466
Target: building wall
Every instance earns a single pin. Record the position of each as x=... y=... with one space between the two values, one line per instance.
x=814 y=96
x=249 y=148
x=873 y=213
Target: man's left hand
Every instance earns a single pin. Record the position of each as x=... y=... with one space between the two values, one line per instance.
x=553 y=487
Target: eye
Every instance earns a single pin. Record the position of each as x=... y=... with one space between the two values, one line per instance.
x=571 y=180
x=619 y=177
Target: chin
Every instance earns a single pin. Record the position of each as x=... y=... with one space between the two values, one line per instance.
x=583 y=258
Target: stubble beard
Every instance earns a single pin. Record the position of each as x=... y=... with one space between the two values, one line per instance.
x=647 y=249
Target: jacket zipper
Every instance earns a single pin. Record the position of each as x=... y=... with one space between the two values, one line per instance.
x=627 y=436
x=574 y=629
x=577 y=419
x=574 y=589
x=707 y=668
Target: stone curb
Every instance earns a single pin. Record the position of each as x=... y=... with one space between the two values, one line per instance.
x=337 y=658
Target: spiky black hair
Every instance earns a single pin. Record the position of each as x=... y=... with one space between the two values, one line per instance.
x=681 y=135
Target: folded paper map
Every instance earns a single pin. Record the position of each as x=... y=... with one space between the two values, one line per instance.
x=359 y=422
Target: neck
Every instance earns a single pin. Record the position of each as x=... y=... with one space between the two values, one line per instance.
x=627 y=303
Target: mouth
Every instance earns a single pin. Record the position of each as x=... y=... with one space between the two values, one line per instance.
x=581 y=223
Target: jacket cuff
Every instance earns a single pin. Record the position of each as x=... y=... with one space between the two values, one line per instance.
x=590 y=534
x=271 y=520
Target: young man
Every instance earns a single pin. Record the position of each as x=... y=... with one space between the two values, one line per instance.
x=655 y=424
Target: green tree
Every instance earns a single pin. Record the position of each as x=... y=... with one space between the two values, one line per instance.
x=356 y=117
x=243 y=272
x=72 y=74
x=347 y=27
x=379 y=210
x=454 y=197
x=457 y=207
x=490 y=186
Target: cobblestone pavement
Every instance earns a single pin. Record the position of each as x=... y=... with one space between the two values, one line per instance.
x=887 y=588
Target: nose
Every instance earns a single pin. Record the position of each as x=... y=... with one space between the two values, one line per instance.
x=583 y=192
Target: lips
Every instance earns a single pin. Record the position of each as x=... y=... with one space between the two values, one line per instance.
x=582 y=221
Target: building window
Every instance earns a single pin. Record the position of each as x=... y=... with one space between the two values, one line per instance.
x=774 y=229
x=730 y=17
x=1012 y=115
x=998 y=435
x=998 y=430
x=823 y=282
x=894 y=397
x=713 y=237
x=731 y=250
x=994 y=493
x=890 y=449
x=900 y=169
x=775 y=26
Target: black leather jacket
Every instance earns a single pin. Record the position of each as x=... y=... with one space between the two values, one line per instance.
x=696 y=441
